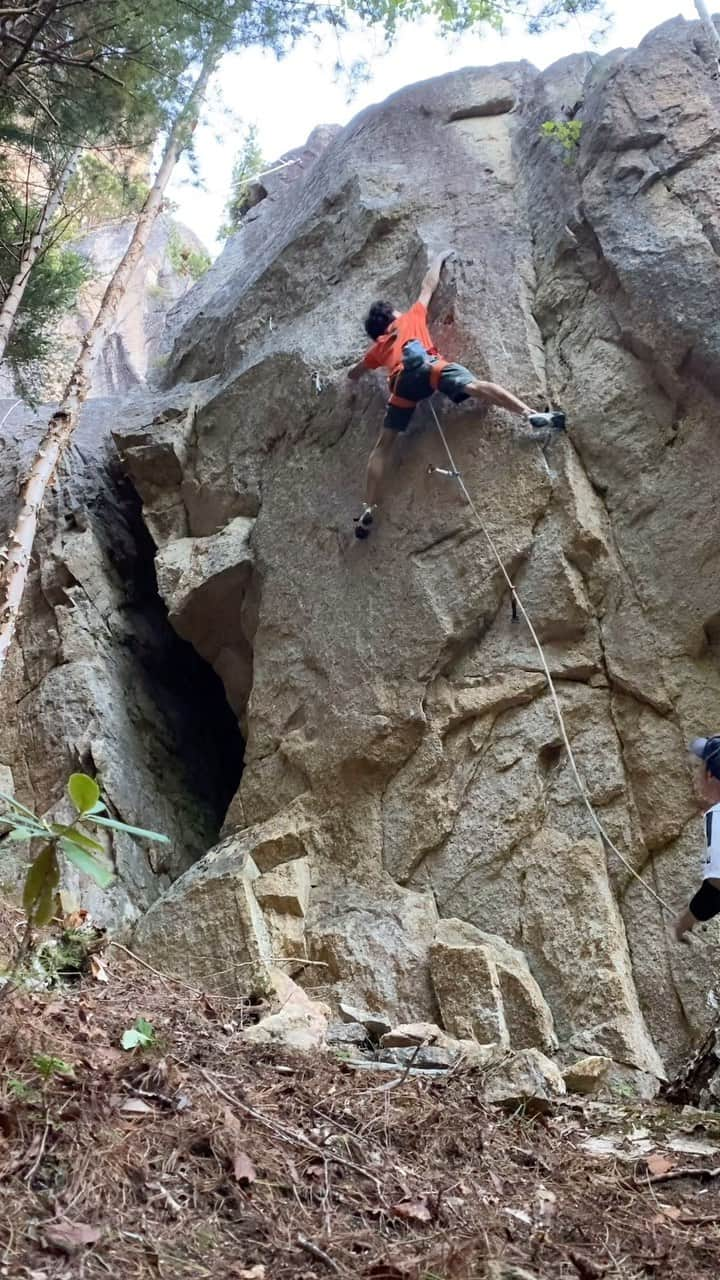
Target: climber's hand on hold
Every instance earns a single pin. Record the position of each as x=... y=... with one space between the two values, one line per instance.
x=356 y=372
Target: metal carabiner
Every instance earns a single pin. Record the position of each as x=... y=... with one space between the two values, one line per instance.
x=442 y=471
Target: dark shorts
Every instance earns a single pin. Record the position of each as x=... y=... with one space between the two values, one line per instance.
x=416 y=386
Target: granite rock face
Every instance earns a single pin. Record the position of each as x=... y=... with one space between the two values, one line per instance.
x=391 y=696
x=400 y=740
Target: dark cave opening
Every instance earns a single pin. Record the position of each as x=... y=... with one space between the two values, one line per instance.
x=188 y=693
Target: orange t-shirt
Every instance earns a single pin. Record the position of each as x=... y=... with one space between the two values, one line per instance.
x=386 y=352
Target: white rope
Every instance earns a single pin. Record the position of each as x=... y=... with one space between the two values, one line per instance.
x=550 y=682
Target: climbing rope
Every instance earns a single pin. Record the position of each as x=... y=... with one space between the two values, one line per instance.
x=518 y=604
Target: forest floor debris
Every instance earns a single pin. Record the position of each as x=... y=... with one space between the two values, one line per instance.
x=192 y=1155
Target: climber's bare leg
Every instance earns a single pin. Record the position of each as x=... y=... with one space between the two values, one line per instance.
x=376 y=468
x=377 y=465
x=494 y=394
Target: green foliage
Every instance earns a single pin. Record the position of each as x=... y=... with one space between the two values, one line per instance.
x=77 y=846
x=566 y=133
x=100 y=192
x=452 y=16
x=140 y=1036
x=558 y=13
x=47 y=1066
x=192 y=263
x=248 y=165
x=51 y=290
x=20 y=1091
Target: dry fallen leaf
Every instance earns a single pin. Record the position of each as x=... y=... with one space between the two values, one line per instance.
x=668 y=1213
x=413 y=1210
x=70 y=1237
x=694 y=1146
x=98 y=970
x=257 y=1272
x=136 y=1107
x=520 y=1214
x=658 y=1164
x=243 y=1168
x=545 y=1204
x=600 y=1146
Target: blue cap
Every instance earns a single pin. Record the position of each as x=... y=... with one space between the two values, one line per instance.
x=708 y=750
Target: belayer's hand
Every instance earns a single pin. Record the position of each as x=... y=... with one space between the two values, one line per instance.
x=683 y=926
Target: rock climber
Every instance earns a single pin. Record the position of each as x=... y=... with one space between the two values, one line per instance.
x=706 y=902
x=402 y=345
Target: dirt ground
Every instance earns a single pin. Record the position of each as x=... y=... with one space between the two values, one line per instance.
x=196 y=1156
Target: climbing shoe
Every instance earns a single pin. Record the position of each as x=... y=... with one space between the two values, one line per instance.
x=555 y=420
x=363 y=522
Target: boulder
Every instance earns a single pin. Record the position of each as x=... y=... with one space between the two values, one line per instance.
x=403 y=1040
x=485 y=988
x=467 y=987
x=373 y=940
x=374 y=1024
x=525 y=1078
x=345 y=1034
x=209 y=926
x=587 y=1075
x=428 y=1057
x=295 y=1020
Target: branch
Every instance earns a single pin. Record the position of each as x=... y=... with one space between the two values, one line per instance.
x=38 y=101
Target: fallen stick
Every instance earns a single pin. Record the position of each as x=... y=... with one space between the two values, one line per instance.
x=287 y=1135
x=705 y=1175
x=318 y=1253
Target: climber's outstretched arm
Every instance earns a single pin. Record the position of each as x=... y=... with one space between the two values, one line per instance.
x=357 y=371
x=432 y=278
x=703 y=907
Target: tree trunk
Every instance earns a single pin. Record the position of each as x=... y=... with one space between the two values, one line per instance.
x=64 y=420
x=22 y=34
x=710 y=28
x=29 y=255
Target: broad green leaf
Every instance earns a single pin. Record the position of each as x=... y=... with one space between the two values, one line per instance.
x=83 y=791
x=78 y=837
x=140 y=1036
x=41 y=882
x=44 y=909
x=87 y=863
x=131 y=831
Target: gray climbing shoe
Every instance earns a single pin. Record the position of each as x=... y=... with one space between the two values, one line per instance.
x=540 y=421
